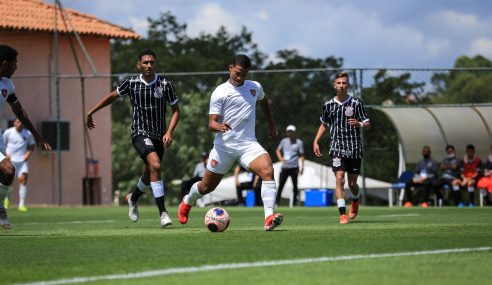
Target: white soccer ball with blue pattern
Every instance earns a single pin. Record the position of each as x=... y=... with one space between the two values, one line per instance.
x=217 y=219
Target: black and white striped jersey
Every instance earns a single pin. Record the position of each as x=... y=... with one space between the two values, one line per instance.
x=344 y=139
x=149 y=101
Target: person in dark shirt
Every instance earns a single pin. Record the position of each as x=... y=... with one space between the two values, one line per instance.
x=451 y=174
x=425 y=176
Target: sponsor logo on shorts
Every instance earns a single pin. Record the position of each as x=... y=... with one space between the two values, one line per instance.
x=148 y=141
x=337 y=162
x=253 y=92
x=214 y=163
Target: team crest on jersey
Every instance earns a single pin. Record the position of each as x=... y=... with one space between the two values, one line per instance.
x=349 y=111
x=5 y=92
x=214 y=163
x=158 y=92
x=253 y=92
x=337 y=162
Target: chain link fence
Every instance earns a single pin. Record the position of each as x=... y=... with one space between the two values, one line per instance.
x=296 y=97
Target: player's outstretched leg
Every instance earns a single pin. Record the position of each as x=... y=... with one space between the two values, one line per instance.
x=187 y=203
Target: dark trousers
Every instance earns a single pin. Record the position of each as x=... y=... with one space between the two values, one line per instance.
x=247 y=186
x=456 y=194
x=284 y=174
x=186 y=186
x=428 y=184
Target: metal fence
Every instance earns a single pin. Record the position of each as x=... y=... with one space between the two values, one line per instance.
x=296 y=97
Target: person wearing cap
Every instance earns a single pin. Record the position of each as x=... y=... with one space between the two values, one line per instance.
x=197 y=176
x=289 y=151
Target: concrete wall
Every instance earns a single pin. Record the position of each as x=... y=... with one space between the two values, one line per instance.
x=35 y=57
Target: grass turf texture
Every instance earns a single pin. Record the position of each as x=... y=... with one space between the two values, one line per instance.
x=51 y=244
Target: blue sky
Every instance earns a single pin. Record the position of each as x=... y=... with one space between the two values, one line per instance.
x=365 y=33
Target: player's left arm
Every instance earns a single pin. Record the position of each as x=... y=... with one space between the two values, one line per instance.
x=21 y=114
x=301 y=156
x=272 y=129
x=167 y=139
x=172 y=99
x=361 y=119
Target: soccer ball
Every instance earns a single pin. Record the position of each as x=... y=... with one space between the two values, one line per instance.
x=217 y=220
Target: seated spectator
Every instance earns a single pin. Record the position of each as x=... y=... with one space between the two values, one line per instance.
x=426 y=176
x=253 y=182
x=197 y=176
x=485 y=183
x=451 y=174
x=471 y=172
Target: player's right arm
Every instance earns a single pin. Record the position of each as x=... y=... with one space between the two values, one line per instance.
x=106 y=101
x=215 y=125
x=319 y=134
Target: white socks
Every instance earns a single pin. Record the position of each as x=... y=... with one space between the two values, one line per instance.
x=157 y=188
x=22 y=194
x=341 y=203
x=268 y=195
x=141 y=185
x=456 y=188
x=471 y=189
x=194 y=195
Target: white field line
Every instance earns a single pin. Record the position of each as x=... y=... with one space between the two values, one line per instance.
x=399 y=215
x=69 y=222
x=225 y=266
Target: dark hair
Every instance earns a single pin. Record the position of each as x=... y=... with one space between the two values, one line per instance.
x=7 y=53
x=341 y=74
x=241 y=60
x=449 y=147
x=470 y=146
x=146 y=51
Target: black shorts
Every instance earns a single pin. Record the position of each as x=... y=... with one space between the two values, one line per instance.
x=349 y=165
x=145 y=145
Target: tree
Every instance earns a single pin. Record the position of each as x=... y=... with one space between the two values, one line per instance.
x=464 y=86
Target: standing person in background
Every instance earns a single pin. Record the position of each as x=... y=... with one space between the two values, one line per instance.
x=451 y=174
x=8 y=65
x=471 y=172
x=197 y=176
x=345 y=116
x=289 y=151
x=485 y=183
x=20 y=146
x=149 y=95
x=232 y=116
x=426 y=176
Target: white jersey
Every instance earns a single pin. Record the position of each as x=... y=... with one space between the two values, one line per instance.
x=236 y=106
x=17 y=143
x=6 y=89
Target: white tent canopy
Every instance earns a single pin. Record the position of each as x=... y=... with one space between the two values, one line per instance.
x=315 y=176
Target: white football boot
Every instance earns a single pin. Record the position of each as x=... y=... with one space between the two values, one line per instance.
x=4 y=220
x=165 y=220
x=132 y=209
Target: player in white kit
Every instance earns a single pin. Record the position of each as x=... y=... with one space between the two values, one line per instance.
x=232 y=116
x=8 y=65
x=20 y=146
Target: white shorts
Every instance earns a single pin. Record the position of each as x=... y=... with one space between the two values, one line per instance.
x=222 y=158
x=21 y=167
x=3 y=149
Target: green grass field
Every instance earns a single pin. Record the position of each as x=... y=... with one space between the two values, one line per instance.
x=50 y=244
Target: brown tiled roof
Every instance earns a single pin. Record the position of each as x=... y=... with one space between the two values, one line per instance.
x=35 y=15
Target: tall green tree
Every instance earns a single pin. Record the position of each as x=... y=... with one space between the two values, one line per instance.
x=464 y=86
